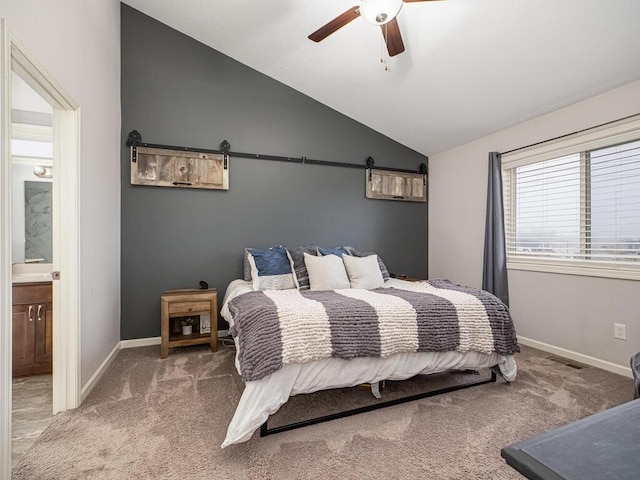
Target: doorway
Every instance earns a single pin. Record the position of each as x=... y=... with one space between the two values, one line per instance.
x=64 y=262
x=31 y=263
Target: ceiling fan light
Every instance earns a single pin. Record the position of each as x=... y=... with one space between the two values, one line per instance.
x=379 y=12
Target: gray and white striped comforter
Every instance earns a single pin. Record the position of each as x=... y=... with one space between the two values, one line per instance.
x=279 y=327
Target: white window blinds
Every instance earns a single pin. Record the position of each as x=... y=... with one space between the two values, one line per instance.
x=576 y=208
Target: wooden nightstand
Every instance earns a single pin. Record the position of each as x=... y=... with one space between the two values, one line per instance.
x=410 y=279
x=184 y=303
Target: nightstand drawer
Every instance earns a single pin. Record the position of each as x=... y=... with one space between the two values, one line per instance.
x=188 y=307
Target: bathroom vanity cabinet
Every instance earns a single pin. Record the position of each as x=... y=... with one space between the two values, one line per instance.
x=32 y=328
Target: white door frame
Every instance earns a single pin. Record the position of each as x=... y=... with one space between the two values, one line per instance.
x=5 y=255
x=66 y=236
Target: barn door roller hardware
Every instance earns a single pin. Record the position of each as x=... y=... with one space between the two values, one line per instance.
x=134 y=140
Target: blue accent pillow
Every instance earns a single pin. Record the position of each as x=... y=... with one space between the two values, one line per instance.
x=270 y=269
x=339 y=251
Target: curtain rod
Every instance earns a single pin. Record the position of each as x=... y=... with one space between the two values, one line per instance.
x=134 y=140
x=569 y=134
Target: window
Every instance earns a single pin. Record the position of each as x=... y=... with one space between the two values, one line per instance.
x=573 y=205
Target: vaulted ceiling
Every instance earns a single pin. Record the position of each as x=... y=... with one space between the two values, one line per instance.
x=471 y=67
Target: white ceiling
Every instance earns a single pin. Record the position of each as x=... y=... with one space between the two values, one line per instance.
x=471 y=67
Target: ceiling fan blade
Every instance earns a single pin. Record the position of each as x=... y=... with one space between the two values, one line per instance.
x=338 y=22
x=392 y=37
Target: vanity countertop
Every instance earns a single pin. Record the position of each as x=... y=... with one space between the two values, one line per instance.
x=27 y=273
x=30 y=277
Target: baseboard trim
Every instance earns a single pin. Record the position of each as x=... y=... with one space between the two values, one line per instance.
x=140 y=342
x=145 y=342
x=578 y=357
x=86 y=389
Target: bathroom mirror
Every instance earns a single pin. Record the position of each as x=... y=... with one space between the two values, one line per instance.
x=32 y=175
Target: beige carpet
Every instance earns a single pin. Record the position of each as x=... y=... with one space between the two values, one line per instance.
x=165 y=419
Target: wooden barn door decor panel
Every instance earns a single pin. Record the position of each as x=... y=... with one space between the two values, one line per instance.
x=388 y=185
x=163 y=167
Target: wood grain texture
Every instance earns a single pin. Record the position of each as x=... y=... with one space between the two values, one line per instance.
x=408 y=187
x=176 y=168
x=335 y=24
x=32 y=339
x=180 y=303
x=393 y=37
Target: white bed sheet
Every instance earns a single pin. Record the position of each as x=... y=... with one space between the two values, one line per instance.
x=264 y=397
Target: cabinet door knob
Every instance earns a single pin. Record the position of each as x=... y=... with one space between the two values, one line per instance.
x=31 y=313
x=39 y=312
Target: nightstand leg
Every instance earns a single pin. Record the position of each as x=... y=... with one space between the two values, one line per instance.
x=214 y=338
x=164 y=329
x=214 y=324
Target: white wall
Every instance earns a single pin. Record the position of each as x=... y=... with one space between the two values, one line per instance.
x=570 y=312
x=78 y=43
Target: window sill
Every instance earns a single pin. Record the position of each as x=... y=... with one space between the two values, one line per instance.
x=568 y=268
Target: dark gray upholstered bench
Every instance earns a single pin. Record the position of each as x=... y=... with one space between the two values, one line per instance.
x=603 y=446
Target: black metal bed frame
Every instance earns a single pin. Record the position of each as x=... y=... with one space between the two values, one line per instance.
x=264 y=430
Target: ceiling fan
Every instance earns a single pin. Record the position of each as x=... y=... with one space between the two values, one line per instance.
x=377 y=12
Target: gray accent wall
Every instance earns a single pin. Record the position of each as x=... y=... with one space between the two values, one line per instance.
x=177 y=91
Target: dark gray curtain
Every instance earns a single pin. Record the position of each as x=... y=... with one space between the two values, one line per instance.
x=494 y=275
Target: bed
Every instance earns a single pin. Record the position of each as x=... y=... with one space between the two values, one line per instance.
x=299 y=364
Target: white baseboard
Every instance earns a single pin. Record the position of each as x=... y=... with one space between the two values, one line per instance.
x=86 y=389
x=145 y=342
x=140 y=342
x=578 y=357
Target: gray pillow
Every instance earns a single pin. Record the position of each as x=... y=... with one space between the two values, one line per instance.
x=296 y=257
x=246 y=266
x=383 y=267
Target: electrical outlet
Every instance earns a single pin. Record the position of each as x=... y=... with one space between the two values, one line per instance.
x=620 y=331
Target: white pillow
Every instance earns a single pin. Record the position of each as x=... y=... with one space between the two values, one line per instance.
x=326 y=273
x=364 y=272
